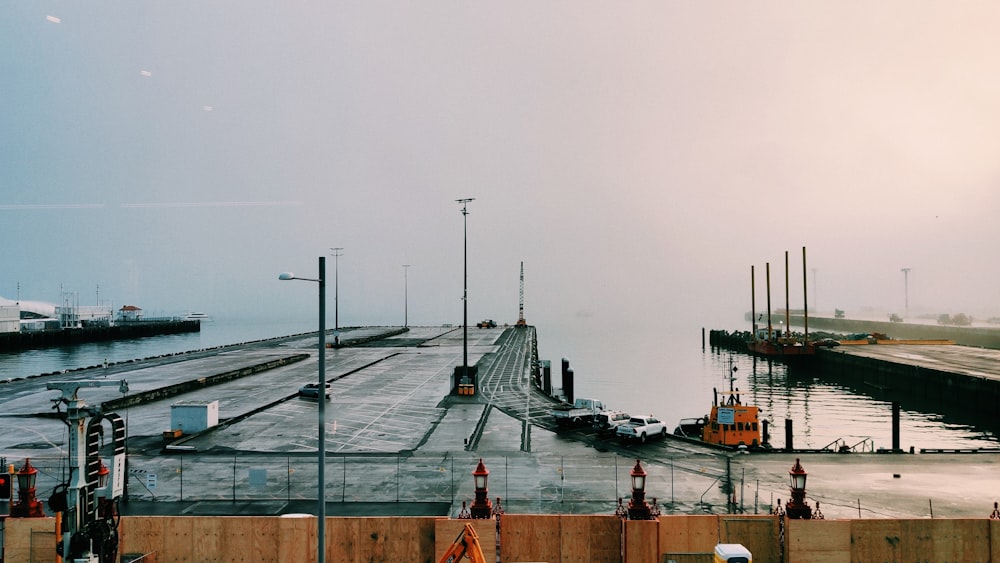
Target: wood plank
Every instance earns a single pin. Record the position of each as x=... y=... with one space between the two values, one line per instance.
x=593 y=538
x=759 y=534
x=818 y=541
x=296 y=539
x=530 y=537
x=642 y=541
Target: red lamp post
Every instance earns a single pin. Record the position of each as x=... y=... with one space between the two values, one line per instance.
x=481 y=507
x=27 y=505
x=797 y=506
x=637 y=507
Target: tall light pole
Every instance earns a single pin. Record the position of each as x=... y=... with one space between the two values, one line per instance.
x=906 y=291
x=321 y=400
x=465 y=284
x=406 y=306
x=336 y=293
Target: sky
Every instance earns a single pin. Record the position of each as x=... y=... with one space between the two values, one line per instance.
x=637 y=157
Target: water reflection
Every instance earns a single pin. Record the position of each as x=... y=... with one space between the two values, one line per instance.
x=825 y=409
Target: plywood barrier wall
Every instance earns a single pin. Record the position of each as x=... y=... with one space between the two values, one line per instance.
x=686 y=535
x=17 y=538
x=235 y=539
x=893 y=540
x=560 y=538
x=551 y=538
x=818 y=541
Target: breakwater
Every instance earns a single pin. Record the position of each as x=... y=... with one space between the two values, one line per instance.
x=16 y=341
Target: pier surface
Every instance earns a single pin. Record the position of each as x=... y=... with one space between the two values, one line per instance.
x=398 y=443
x=962 y=360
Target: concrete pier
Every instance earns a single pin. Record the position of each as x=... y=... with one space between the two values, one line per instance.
x=399 y=444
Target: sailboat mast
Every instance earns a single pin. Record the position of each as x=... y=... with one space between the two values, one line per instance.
x=753 y=304
x=767 y=271
x=805 y=299
x=788 y=318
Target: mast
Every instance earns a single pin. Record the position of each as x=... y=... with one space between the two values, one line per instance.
x=768 y=274
x=788 y=319
x=805 y=300
x=753 y=305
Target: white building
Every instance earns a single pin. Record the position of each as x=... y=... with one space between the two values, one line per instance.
x=10 y=318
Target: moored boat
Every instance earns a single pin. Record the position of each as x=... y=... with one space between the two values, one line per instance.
x=730 y=423
x=770 y=342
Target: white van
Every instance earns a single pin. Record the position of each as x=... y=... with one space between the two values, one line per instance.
x=732 y=553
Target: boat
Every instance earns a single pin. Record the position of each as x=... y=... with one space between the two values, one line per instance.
x=730 y=423
x=197 y=316
x=770 y=342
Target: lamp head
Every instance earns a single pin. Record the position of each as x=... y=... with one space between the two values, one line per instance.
x=284 y=276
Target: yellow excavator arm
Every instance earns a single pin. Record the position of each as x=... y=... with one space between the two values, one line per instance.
x=465 y=545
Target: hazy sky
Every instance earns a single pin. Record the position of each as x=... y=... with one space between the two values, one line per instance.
x=639 y=157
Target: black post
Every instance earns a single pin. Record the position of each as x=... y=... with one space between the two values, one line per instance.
x=895 y=426
x=789 y=446
x=568 y=386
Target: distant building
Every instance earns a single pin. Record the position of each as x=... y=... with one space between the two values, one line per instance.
x=10 y=318
x=130 y=313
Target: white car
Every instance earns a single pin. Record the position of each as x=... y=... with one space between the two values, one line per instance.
x=641 y=428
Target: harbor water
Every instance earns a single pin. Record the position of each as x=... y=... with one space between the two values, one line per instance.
x=661 y=370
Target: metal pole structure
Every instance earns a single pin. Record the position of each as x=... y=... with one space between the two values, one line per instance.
x=906 y=290
x=321 y=416
x=321 y=428
x=336 y=288
x=465 y=284
x=406 y=304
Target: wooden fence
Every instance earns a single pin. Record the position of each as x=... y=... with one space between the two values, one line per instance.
x=525 y=537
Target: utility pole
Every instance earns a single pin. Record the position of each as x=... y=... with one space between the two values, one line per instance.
x=336 y=293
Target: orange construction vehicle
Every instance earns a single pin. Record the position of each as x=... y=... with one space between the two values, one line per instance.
x=465 y=545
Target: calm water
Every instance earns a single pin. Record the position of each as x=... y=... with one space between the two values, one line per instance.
x=662 y=371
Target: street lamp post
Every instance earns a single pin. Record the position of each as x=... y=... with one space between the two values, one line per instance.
x=321 y=400
x=465 y=291
x=336 y=293
x=406 y=305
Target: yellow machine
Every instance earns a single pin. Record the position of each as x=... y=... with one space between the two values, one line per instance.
x=466 y=545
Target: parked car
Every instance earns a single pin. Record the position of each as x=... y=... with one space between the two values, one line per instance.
x=641 y=428
x=311 y=390
x=607 y=421
x=488 y=323
x=582 y=411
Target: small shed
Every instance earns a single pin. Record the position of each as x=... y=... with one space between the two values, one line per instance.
x=189 y=417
